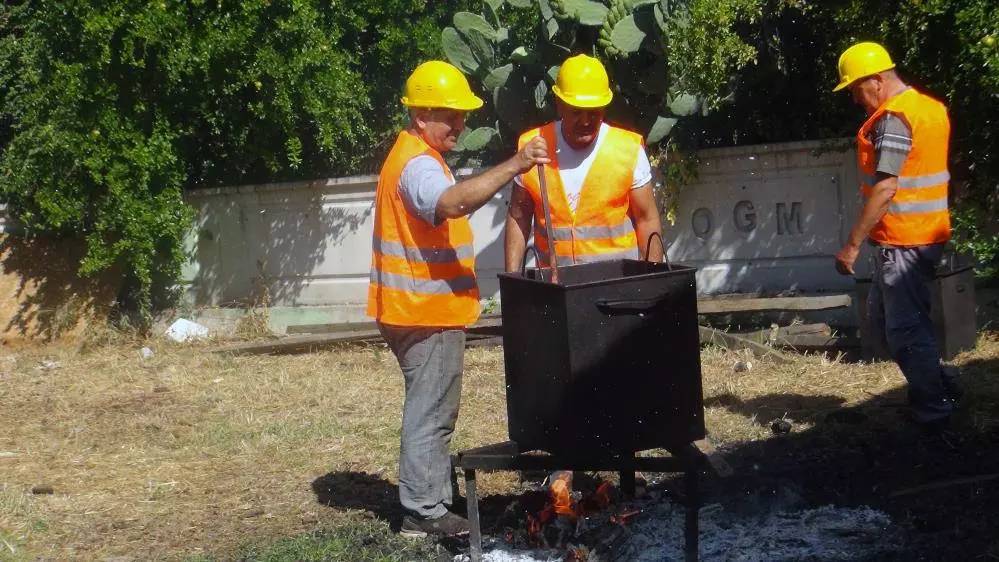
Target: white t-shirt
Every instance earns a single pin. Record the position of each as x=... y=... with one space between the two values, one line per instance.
x=573 y=165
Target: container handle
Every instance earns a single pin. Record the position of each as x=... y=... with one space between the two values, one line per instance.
x=537 y=259
x=629 y=306
x=648 y=249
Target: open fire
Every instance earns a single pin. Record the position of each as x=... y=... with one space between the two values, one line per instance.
x=559 y=517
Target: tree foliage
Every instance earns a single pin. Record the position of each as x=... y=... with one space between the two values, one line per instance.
x=109 y=110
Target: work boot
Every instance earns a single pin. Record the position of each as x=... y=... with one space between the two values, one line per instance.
x=953 y=393
x=447 y=525
x=952 y=389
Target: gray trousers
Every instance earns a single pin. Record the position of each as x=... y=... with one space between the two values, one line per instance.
x=899 y=309
x=431 y=360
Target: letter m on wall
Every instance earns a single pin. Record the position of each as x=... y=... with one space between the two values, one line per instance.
x=789 y=222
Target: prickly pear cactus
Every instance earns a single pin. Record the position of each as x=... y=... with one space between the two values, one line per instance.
x=618 y=10
x=629 y=35
x=559 y=10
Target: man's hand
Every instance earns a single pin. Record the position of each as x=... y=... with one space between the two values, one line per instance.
x=533 y=153
x=845 y=259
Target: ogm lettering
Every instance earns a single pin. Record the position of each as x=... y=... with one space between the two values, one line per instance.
x=745 y=219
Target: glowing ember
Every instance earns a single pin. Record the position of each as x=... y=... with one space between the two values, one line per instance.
x=602 y=497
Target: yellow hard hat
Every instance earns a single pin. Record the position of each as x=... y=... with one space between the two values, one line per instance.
x=439 y=84
x=582 y=82
x=862 y=60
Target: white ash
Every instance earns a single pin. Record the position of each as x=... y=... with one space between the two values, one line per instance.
x=824 y=533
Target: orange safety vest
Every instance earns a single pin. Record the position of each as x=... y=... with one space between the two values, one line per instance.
x=918 y=214
x=421 y=275
x=601 y=228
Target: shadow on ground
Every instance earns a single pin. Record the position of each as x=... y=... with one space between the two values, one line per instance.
x=941 y=490
x=762 y=409
x=360 y=490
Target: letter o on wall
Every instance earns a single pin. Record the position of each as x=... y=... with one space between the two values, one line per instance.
x=701 y=222
x=744 y=216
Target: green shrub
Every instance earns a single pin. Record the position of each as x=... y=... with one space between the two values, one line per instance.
x=110 y=110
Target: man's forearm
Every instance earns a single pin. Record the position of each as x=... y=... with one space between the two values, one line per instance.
x=466 y=196
x=874 y=209
x=519 y=218
x=644 y=228
x=515 y=243
x=644 y=214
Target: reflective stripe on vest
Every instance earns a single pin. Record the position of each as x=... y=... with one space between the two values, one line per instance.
x=606 y=256
x=911 y=182
x=920 y=207
x=600 y=228
x=422 y=286
x=918 y=212
x=421 y=274
x=423 y=255
x=568 y=233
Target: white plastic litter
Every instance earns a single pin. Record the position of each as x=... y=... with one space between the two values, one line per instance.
x=48 y=365
x=184 y=330
x=146 y=353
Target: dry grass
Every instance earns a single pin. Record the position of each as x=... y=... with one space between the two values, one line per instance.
x=190 y=452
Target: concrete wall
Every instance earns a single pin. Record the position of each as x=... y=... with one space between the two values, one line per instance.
x=768 y=218
x=306 y=245
x=760 y=218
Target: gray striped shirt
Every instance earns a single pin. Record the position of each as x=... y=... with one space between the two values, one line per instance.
x=892 y=139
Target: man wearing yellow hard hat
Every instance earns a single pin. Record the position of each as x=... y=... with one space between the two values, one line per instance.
x=422 y=290
x=599 y=182
x=902 y=160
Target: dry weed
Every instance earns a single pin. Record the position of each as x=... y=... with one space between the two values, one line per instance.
x=190 y=452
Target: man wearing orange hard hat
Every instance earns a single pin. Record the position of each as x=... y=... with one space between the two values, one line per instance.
x=422 y=290
x=902 y=159
x=599 y=182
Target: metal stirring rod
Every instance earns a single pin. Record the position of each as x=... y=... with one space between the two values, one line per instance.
x=549 y=231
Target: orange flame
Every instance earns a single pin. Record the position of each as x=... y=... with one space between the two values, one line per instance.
x=561 y=491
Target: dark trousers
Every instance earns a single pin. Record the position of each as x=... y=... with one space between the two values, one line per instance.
x=899 y=309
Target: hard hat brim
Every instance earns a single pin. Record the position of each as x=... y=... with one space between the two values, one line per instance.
x=842 y=85
x=470 y=103
x=845 y=83
x=584 y=102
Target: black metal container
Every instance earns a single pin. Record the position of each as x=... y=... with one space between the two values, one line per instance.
x=604 y=363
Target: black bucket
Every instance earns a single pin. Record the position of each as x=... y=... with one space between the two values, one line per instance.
x=604 y=363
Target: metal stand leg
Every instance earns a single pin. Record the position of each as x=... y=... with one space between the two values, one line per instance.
x=691 y=531
x=627 y=483
x=475 y=534
x=455 y=492
x=627 y=477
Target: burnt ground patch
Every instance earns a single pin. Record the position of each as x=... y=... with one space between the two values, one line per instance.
x=941 y=489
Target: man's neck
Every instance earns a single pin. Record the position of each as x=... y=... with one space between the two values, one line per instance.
x=416 y=133
x=895 y=88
